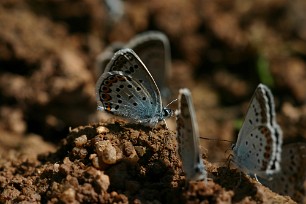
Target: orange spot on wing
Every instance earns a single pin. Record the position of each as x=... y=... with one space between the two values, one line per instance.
x=106 y=97
x=120 y=78
x=107 y=106
x=106 y=89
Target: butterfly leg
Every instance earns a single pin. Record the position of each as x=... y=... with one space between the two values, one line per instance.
x=150 y=136
x=229 y=160
x=206 y=180
x=164 y=120
x=240 y=180
x=255 y=176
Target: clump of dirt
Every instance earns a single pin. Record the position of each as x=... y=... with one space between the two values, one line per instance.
x=120 y=162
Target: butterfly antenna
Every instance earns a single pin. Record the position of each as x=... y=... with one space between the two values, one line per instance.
x=255 y=176
x=171 y=102
x=166 y=124
x=206 y=138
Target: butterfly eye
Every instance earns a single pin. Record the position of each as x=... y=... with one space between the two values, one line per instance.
x=167 y=112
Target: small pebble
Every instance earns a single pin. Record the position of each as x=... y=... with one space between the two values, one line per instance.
x=67 y=160
x=106 y=151
x=100 y=146
x=119 y=153
x=102 y=129
x=129 y=149
x=95 y=160
x=68 y=195
x=130 y=152
x=80 y=141
x=56 y=167
x=109 y=155
x=79 y=152
x=102 y=180
x=75 y=130
x=140 y=150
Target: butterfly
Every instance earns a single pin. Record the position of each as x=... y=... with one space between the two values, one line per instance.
x=153 y=49
x=258 y=147
x=290 y=179
x=188 y=138
x=127 y=89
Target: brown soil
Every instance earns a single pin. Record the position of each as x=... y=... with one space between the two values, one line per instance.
x=220 y=49
x=116 y=162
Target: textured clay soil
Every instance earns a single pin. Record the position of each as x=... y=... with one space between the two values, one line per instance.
x=116 y=162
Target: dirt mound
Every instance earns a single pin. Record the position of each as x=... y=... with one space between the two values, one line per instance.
x=119 y=162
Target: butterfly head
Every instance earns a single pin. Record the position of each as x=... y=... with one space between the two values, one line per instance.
x=167 y=112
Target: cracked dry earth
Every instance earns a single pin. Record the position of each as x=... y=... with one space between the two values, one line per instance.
x=117 y=162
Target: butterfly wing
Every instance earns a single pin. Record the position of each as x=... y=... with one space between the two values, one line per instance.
x=290 y=180
x=256 y=152
x=105 y=57
x=153 y=49
x=188 y=138
x=259 y=141
x=126 y=79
